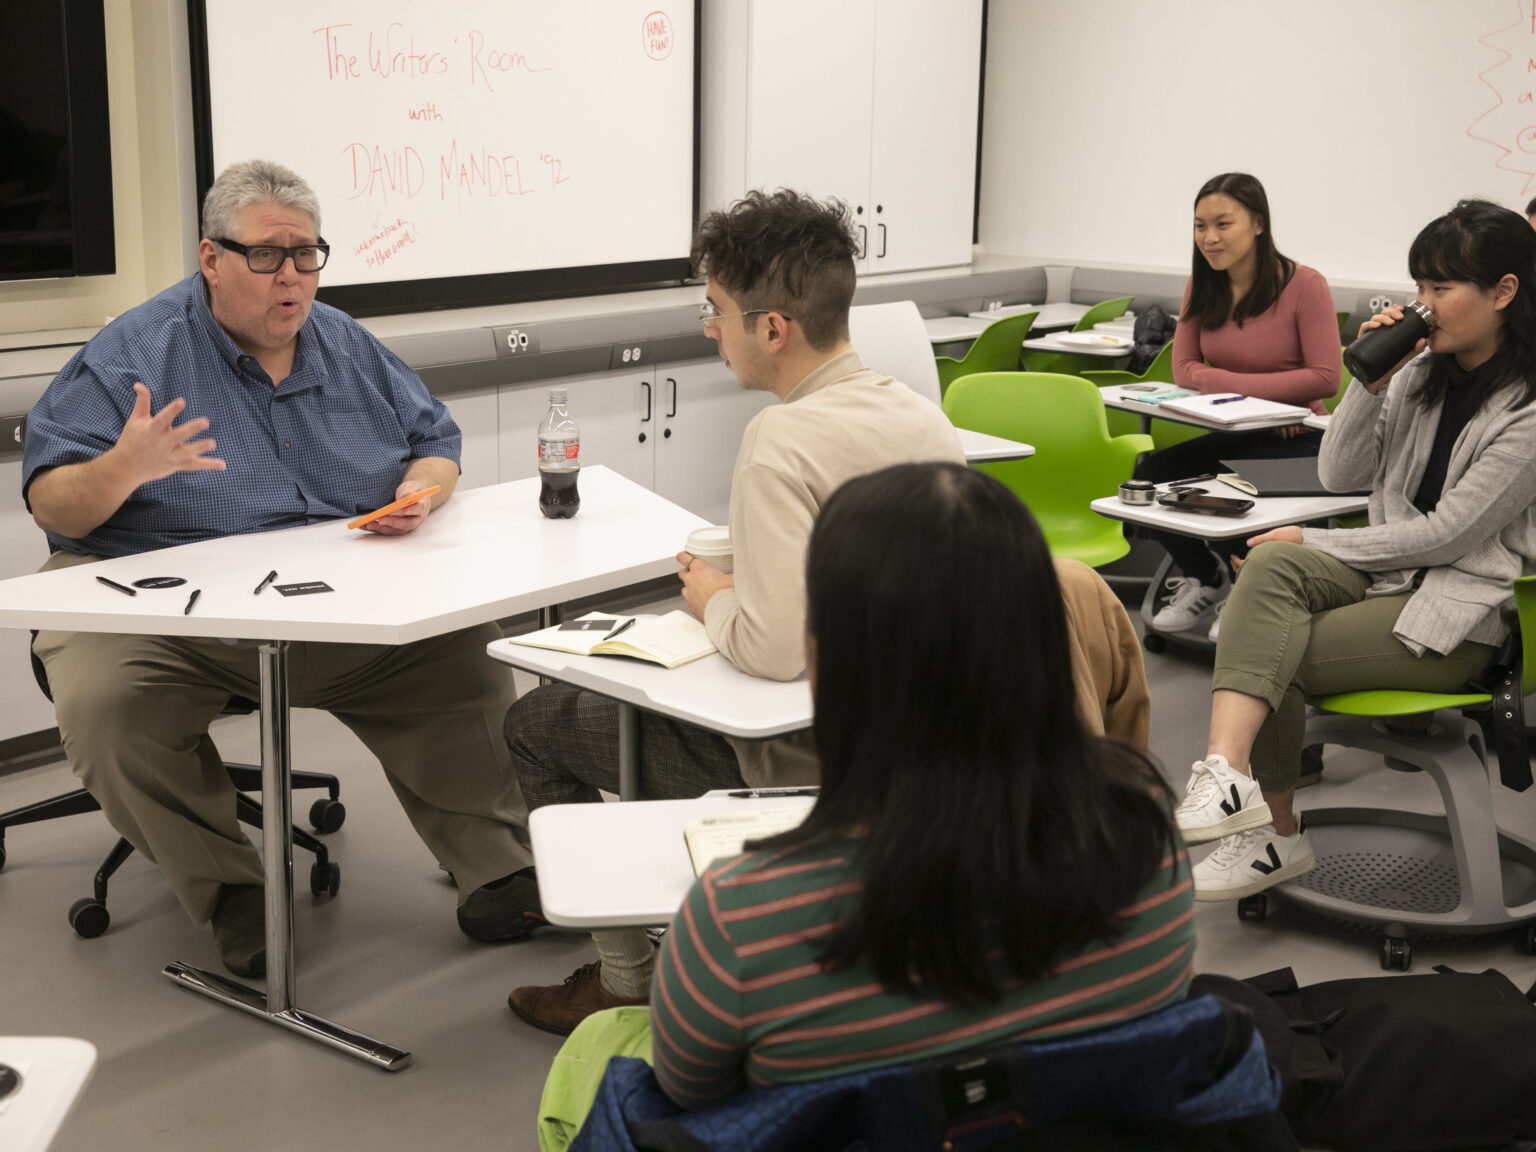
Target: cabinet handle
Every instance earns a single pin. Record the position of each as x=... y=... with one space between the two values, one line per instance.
x=646 y=384
x=673 y=382
x=863 y=241
x=883 y=231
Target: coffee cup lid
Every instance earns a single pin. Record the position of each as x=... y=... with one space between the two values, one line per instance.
x=714 y=539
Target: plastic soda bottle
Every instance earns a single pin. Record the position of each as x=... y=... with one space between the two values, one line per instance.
x=559 y=460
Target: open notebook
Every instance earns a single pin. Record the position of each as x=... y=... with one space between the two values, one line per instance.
x=721 y=834
x=671 y=640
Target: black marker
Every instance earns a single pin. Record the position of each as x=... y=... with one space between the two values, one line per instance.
x=770 y=793
x=271 y=576
x=191 y=600
x=628 y=623
x=115 y=584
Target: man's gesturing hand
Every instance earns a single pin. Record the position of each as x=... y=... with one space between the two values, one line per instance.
x=154 y=446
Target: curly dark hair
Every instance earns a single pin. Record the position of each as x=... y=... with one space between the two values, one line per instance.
x=787 y=252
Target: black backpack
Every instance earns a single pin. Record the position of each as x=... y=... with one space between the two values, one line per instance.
x=1397 y=1063
x=1153 y=329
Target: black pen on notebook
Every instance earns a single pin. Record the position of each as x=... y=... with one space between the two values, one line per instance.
x=1228 y=399
x=270 y=576
x=115 y=584
x=627 y=624
x=770 y=793
x=191 y=600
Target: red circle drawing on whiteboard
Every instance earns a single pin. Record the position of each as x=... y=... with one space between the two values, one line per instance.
x=1526 y=140
x=656 y=32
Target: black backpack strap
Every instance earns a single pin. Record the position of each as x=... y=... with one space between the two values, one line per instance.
x=1504 y=722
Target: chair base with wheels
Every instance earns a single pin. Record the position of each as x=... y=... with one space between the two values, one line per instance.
x=1450 y=873
x=89 y=917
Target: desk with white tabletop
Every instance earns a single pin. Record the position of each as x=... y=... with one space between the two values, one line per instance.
x=1268 y=512
x=979 y=446
x=54 y=1071
x=953 y=329
x=1048 y=317
x=1103 y=345
x=486 y=554
x=711 y=693
x=625 y=865
x=1123 y=398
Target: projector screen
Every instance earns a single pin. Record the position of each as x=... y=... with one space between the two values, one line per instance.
x=465 y=151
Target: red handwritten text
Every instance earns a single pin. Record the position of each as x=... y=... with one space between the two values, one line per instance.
x=480 y=173
x=388 y=56
x=337 y=63
x=384 y=243
x=656 y=34
x=380 y=173
x=427 y=111
x=484 y=60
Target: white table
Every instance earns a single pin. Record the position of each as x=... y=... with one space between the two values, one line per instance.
x=1116 y=396
x=980 y=446
x=1048 y=316
x=711 y=693
x=1268 y=512
x=953 y=329
x=1054 y=343
x=54 y=1070
x=485 y=555
x=624 y=865
x=1318 y=420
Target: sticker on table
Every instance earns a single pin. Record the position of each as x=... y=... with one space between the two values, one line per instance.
x=307 y=588
x=160 y=582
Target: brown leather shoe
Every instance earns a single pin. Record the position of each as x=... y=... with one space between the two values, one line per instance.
x=558 y=1008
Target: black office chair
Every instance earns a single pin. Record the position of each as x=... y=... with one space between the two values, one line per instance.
x=89 y=917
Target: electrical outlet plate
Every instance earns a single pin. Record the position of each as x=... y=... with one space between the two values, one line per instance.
x=12 y=429
x=630 y=354
x=516 y=340
x=1379 y=303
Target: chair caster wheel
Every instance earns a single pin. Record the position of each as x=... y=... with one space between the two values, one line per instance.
x=1152 y=642
x=89 y=917
x=1254 y=907
x=324 y=879
x=326 y=815
x=1396 y=952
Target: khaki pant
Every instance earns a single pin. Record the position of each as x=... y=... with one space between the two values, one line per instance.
x=134 y=714
x=1298 y=624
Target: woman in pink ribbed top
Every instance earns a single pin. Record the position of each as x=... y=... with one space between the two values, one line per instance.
x=1252 y=322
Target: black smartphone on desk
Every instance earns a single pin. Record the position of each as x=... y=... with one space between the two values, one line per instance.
x=1188 y=500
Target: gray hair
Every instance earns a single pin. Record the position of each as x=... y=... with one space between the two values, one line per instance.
x=255 y=182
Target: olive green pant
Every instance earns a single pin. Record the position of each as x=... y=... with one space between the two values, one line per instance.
x=1298 y=624
x=134 y=712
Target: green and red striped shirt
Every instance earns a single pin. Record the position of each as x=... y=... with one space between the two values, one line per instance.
x=740 y=998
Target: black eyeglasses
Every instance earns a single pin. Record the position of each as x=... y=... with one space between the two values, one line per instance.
x=268 y=258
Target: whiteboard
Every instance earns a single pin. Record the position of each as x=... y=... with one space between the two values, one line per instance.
x=454 y=140
x=1364 y=122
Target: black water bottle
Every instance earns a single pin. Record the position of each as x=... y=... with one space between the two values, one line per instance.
x=1376 y=353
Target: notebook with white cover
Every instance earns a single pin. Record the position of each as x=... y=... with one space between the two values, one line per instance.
x=1227 y=409
x=670 y=640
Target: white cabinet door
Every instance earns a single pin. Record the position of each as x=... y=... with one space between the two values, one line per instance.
x=703 y=412
x=927 y=76
x=810 y=90
x=617 y=413
x=476 y=415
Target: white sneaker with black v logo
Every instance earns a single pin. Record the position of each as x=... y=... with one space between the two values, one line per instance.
x=1252 y=861
x=1219 y=801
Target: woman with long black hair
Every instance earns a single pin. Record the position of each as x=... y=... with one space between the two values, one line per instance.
x=1254 y=322
x=978 y=866
x=1418 y=600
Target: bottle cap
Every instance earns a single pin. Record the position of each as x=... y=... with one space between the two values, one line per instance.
x=557 y=395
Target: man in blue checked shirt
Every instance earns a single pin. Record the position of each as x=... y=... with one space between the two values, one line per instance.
x=307 y=417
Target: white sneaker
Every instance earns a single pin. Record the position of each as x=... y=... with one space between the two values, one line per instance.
x=1252 y=861
x=1215 y=633
x=1219 y=801
x=1190 y=605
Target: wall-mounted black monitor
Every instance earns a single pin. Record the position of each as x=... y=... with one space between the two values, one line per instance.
x=55 y=145
x=465 y=151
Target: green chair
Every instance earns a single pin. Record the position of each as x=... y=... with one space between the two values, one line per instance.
x=995 y=350
x=1076 y=459
x=1067 y=362
x=1343 y=320
x=1451 y=874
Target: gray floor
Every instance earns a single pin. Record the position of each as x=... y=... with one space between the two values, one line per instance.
x=178 y=1072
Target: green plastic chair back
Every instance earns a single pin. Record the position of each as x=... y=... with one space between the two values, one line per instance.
x=1343 y=320
x=1099 y=313
x=1076 y=459
x=1386 y=702
x=995 y=350
x=1160 y=371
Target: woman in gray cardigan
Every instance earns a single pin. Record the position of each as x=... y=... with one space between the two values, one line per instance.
x=1419 y=599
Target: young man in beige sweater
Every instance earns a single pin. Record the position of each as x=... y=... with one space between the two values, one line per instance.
x=780 y=279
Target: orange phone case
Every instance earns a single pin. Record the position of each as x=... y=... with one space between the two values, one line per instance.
x=403 y=502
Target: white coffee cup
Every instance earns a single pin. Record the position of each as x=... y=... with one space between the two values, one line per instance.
x=712 y=545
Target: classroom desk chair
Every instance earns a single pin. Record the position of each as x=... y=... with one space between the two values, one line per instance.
x=89 y=917
x=1066 y=362
x=996 y=350
x=1450 y=874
